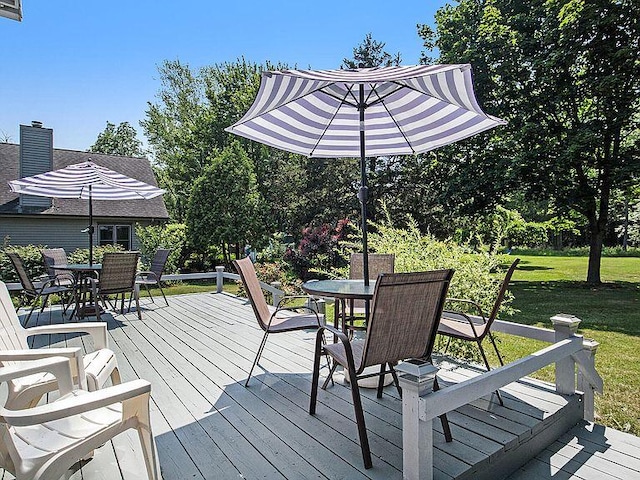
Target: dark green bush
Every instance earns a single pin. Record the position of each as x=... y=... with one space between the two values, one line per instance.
x=172 y=236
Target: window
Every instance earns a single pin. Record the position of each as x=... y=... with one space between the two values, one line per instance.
x=115 y=234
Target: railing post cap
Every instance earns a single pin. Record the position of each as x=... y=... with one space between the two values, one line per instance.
x=565 y=320
x=416 y=370
x=220 y=268
x=591 y=345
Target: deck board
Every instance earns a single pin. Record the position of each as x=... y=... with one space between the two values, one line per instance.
x=197 y=352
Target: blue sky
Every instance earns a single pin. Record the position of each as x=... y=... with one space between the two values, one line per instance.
x=76 y=65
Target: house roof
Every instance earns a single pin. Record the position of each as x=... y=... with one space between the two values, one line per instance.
x=138 y=168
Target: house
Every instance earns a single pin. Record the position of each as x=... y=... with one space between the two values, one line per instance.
x=26 y=219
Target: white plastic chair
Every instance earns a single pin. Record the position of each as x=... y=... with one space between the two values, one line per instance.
x=43 y=442
x=91 y=371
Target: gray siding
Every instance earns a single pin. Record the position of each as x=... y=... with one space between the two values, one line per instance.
x=55 y=232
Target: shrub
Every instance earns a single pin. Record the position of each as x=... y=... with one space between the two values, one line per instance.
x=318 y=249
x=81 y=255
x=31 y=256
x=477 y=275
x=172 y=236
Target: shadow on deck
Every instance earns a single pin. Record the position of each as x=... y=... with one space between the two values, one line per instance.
x=197 y=352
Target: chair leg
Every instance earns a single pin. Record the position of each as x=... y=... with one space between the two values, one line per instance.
x=162 y=292
x=330 y=376
x=146 y=441
x=149 y=293
x=486 y=363
x=362 y=429
x=395 y=380
x=135 y=293
x=255 y=362
x=495 y=347
x=444 y=421
x=316 y=373
x=381 y=380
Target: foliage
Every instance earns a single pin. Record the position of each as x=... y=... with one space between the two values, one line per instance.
x=172 y=236
x=272 y=272
x=370 y=53
x=318 y=249
x=477 y=275
x=275 y=249
x=120 y=140
x=565 y=75
x=31 y=256
x=81 y=255
x=225 y=206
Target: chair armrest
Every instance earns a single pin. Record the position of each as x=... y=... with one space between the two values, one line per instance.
x=74 y=405
x=39 y=353
x=468 y=302
x=57 y=366
x=97 y=330
x=73 y=355
x=295 y=309
x=148 y=274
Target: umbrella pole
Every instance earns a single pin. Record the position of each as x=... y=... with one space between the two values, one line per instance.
x=363 y=192
x=90 y=229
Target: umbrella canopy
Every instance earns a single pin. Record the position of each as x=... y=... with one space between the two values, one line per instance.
x=85 y=180
x=365 y=112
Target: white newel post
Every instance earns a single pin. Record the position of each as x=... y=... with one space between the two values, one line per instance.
x=589 y=347
x=219 y=278
x=277 y=297
x=416 y=379
x=565 y=327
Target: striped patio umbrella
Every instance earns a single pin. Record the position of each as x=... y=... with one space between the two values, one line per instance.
x=85 y=180
x=365 y=112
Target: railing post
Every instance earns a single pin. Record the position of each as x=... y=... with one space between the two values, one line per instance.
x=565 y=327
x=277 y=297
x=589 y=347
x=219 y=278
x=416 y=379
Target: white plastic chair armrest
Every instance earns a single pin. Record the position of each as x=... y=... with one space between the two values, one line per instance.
x=73 y=354
x=97 y=330
x=57 y=366
x=74 y=405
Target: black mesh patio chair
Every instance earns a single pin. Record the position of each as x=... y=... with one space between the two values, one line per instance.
x=117 y=278
x=405 y=311
x=153 y=276
x=55 y=259
x=47 y=287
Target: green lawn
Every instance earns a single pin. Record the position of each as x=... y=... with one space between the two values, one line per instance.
x=544 y=286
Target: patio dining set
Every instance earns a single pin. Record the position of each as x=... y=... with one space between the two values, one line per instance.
x=85 y=285
x=399 y=313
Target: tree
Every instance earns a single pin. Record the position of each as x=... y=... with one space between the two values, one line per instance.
x=566 y=76
x=176 y=128
x=225 y=206
x=120 y=140
x=370 y=53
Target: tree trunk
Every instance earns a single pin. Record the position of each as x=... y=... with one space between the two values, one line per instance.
x=595 y=255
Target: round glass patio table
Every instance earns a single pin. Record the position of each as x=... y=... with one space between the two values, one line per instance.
x=341 y=291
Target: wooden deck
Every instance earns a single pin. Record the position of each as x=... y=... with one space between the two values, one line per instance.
x=197 y=353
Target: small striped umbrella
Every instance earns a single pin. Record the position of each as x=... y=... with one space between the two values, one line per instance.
x=365 y=112
x=85 y=180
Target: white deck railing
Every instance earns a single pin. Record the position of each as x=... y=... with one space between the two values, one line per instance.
x=421 y=405
x=219 y=275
